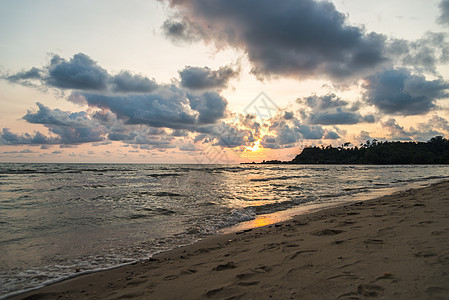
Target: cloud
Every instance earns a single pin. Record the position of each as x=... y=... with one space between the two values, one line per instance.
x=331 y=135
x=226 y=135
x=210 y=106
x=82 y=73
x=9 y=138
x=179 y=132
x=168 y=106
x=25 y=151
x=286 y=133
x=396 y=131
x=179 y=31
x=399 y=92
x=125 y=107
x=423 y=54
x=443 y=19
x=196 y=78
x=125 y=82
x=70 y=128
x=78 y=135
x=68 y=131
x=331 y=110
x=287 y=38
x=56 y=117
x=288 y=115
x=26 y=78
x=187 y=147
x=421 y=132
x=145 y=138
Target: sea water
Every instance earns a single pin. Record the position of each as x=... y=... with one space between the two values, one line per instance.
x=60 y=220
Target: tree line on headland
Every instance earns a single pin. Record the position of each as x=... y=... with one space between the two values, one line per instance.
x=434 y=151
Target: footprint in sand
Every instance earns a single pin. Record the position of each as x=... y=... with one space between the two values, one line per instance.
x=424 y=254
x=326 y=232
x=294 y=255
x=248 y=283
x=170 y=277
x=214 y=292
x=387 y=276
x=352 y=213
x=437 y=292
x=373 y=241
x=344 y=275
x=346 y=223
x=226 y=266
x=423 y=223
x=254 y=272
x=370 y=290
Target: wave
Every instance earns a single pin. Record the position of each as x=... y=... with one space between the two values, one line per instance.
x=156 y=175
x=279 y=178
x=30 y=171
x=419 y=179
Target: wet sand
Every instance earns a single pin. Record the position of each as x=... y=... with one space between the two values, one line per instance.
x=393 y=247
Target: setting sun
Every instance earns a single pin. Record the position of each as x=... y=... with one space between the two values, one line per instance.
x=254 y=147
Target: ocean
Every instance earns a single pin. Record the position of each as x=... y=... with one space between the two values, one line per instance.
x=61 y=220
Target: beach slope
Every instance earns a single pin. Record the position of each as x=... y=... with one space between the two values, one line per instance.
x=394 y=247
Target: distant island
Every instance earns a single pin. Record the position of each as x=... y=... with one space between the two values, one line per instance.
x=434 y=151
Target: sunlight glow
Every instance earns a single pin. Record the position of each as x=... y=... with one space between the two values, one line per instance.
x=254 y=147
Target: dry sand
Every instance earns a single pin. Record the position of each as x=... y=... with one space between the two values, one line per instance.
x=394 y=247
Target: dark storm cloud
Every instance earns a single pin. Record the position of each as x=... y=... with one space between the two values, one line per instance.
x=444 y=17
x=331 y=110
x=168 y=106
x=298 y=38
x=197 y=78
x=400 y=92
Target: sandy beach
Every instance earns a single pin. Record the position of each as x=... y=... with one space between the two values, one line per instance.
x=393 y=247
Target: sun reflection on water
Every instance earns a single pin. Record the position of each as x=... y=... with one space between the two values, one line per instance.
x=259 y=221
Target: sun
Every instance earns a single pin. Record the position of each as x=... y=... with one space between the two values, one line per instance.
x=254 y=147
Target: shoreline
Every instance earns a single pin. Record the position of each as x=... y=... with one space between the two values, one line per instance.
x=262 y=261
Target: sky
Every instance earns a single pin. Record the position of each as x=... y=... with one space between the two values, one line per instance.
x=217 y=81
